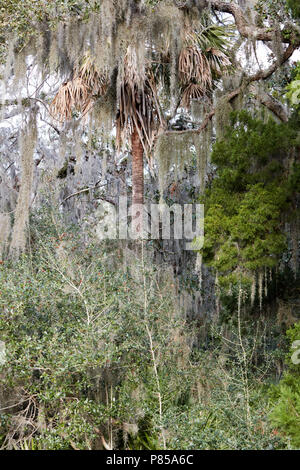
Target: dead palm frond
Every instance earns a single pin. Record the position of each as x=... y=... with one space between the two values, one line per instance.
x=79 y=93
x=96 y=82
x=193 y=65
x=218 y=60
x=203 y=58
x=138 y=105
x=193 y=91
x=63 y=102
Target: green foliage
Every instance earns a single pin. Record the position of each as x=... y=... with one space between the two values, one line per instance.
x=26 y=19
x=82 y=351
x=293 y=88
x=229 y=386
x=285 y=415
x=87 y=360
x=52 y=347
x=295 y=7
x=245 y=203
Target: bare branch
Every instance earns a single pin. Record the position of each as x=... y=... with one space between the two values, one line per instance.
x=86 y=190
x=249 y=30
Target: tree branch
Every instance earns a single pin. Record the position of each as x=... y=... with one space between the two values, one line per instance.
x=260 y=75
x=245 y=28
x=271 y=103
x=249 y=30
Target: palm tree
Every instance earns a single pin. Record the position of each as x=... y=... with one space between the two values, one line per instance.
x=138 y=113
x=202 y=58
x=137 y=116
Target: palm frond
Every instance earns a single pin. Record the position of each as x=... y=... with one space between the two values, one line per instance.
x=138 y=106
x=218 y=60
x=79 y=93
x=193 y=65
x=203 y=58
x=193 y=91
x=210 y=36
x=63 y=103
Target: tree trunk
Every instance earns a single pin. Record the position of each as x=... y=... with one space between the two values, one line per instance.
x=137 y=168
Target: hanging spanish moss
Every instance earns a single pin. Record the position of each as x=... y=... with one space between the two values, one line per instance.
x=77 y=149
x=202 y=143
x=295 y=245
x=260 y=289
x=53 y=59
x=63 y=145
x=198 y=269
x=75 y=41
x=277 y=45
x=266 y=282
x=21 y=217
x=223 y=110
x=197 y=110
x=172 y=153
x=20 y=68
x=253 y=290
x=248 y=50
x=185 y=302
x=166 y=32
x=10 y=56
x=174 y=79
x=4 y=234
x=107 y=66
x=6 y=72
x=42 y=49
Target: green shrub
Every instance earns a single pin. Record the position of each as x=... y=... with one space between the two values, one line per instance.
x=99 y=355
x=285 y=415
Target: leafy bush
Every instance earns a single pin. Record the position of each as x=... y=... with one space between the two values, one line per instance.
x=286 y=396
x=98 y=355
x=91 y=343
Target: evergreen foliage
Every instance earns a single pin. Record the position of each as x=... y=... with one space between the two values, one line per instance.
x=245 y=204
x=285 y=415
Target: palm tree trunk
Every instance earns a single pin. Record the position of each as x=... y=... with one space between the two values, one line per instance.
x=137 y=168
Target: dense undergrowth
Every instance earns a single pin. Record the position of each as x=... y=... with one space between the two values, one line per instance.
x=98 y=355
